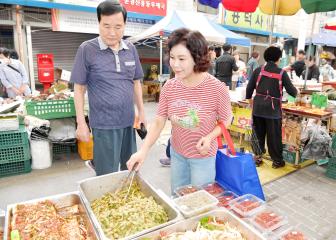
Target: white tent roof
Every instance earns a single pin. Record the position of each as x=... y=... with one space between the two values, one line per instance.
x=213 y=32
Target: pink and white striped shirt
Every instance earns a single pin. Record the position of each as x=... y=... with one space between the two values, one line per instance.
x=194 y=112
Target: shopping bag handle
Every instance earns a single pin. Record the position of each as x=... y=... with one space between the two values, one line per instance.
x=228 y=139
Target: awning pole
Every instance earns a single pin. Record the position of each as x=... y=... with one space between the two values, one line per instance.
x=272 y=23
x=309 y=50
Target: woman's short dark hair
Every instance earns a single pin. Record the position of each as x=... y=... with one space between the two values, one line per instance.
x=4 y=51
x=195 y=43
x=272 y=54
x=108 y=8
x=255 y=54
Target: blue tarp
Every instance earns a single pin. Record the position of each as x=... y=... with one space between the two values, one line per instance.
x=323 y=38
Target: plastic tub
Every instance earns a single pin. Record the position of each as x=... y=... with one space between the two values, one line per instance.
x=213 y=188
x=247 y=205
x=225 y=198
x=288 y=233
x=196 y=203
x=268 y=220
x=185 y=190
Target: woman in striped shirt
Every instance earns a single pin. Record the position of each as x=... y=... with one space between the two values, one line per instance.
x=194 y=101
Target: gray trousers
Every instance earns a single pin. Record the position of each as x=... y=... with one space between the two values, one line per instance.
x=112 y=148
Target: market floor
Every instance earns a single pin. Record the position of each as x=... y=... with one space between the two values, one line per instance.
x=306 y=197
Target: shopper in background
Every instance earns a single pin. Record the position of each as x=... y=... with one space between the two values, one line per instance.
x=327 y=71
x=212 y=55
x=239 y=77
x=13 y=54
x=109 y=69
x=225 y=65
x=13 y=75
x=313 y=70
x=252 y=64
x=299 y=65
x=268 y=82
x=194 y=100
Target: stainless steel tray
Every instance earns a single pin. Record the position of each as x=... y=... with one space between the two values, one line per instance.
x=190 y=224
x=93 y=188
x=61 y=200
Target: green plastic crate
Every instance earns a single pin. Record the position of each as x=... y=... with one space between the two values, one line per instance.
x=14 y=138
x=289 y=154
x=14 y=154
x=59 y=148
x=15 y=168
x=51 y=109
x=331 y=169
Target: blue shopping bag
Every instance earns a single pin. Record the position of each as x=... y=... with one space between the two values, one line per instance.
x=236 y=171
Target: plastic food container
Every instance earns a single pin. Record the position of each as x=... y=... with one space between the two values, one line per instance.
x=187 y=189
x=247 y=205
x=214 y=189
x=196 y=203
x=268 y=220
x=293 y=235
x=225 y=198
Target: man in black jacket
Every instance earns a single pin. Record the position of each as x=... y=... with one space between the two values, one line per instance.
x=299 y=65
x=224 y=66
x=268 y=81
x=313 y=70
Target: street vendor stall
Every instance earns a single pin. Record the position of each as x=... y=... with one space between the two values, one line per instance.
x=148 y=214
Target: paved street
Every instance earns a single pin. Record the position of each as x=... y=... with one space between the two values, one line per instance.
x=307 y=197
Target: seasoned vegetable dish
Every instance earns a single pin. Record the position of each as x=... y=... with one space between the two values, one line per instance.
x=120 y=218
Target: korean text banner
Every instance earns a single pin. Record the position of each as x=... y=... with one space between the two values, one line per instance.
x=152 y=7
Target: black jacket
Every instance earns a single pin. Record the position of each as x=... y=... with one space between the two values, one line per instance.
x=224 y=66
x=313 y=72
x=298 y=67
x=263 y=107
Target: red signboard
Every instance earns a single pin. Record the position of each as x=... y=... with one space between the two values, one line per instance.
x=151 y=7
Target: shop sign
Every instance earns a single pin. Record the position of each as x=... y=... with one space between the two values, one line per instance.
x=86 y=22
x=256 y=20
x=152 y=7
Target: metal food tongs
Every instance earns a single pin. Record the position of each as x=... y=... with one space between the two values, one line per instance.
x=128 y=180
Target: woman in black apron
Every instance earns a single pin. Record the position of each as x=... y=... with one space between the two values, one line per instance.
x=268 y=81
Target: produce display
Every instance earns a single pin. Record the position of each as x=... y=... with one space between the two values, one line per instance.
x=225 y=198
x=44 y=97
x=120 y=218
x=293 y=235
x=43 y=220
x=214 y=189
x=208 y=228
x=304 y=109
x=186 y=190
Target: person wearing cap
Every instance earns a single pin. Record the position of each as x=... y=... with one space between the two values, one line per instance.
x=225 y=65
x=268 y=82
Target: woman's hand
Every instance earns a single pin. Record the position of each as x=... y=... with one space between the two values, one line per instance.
x=136 y=158
x=203 y=145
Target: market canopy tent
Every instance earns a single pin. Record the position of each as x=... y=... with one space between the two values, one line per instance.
x=323 y=38
x=212 y=31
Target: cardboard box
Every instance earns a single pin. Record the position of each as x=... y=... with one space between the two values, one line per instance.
x=62 y=75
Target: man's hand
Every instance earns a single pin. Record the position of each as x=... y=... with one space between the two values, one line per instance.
x=142 y=118
x=83 y=132
x=22 y=89
x=17 y=91
x=138 y=157
x=203 y=145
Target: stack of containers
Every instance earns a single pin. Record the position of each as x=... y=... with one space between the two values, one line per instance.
x=270 y=223
x=14 y=152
